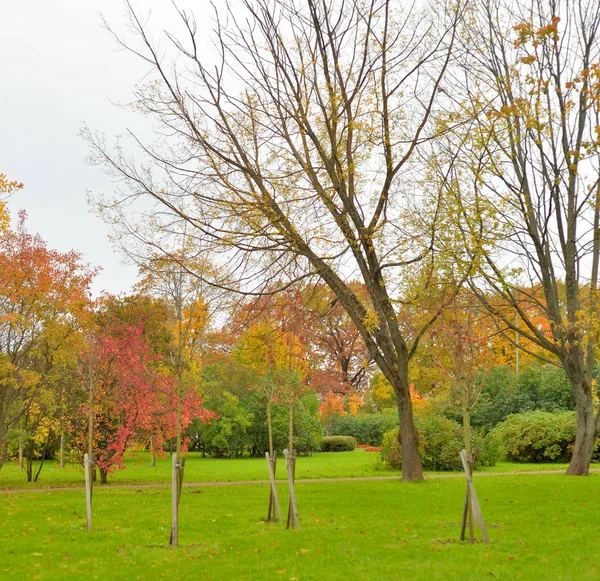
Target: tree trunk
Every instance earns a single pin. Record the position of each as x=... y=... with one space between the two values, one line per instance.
x=41 y=464
x=103 y=476
x=87 y=469
x=152 y=453
x=580 y=377
x=270 y=428
x=291 y=430
x=3 y=451
x=179 y=405
x=62 y=450
x=408 y=438
x=466 y=416
x=29 y=462
x=585 y=437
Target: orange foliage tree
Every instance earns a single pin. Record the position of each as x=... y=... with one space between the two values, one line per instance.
x=341 y=360
x=43 y=299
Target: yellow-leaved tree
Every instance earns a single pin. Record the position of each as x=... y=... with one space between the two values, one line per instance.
x=7 y=188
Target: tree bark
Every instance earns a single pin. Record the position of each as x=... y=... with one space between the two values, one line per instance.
x=29 y=462
x=466 y=416
x=407 y=435
x=152 y=453
x=291 y=429
x=41 y=464
x=270 y=428
x=586 y=434
x=3 y=451
x=578 y=367
x=62 y=450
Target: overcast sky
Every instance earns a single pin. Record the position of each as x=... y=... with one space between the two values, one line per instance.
x=60 y=69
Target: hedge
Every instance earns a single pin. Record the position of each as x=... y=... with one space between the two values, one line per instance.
x=338 y=444
x=367 y=428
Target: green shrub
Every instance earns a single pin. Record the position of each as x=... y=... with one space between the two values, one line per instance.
x=308 y=430
x=538 y=436
x=391 y=450
x=366 y=428
x=440 y=443
x=338 y=444
x=537 y=387
x=488 y=449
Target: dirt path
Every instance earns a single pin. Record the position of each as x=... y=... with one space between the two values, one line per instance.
x=266 y=482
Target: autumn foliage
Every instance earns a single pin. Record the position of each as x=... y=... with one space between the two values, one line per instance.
x=43 y=296
x=135 y=395
x=7 y=188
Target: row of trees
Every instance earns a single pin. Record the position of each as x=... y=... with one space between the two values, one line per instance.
x=142 y=368
x=103 y=372
x=415 y=150
x=109 y=372
x=135 y=366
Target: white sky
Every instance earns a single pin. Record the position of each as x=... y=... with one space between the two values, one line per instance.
x=60 y=69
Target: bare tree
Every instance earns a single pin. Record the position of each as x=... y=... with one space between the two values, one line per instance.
x=296 y=152
x=533 y=155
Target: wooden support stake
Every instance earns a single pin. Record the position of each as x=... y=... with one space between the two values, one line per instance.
x=180 y=481
x=177 y=484
x=472 y=503
x=173 y=539
x=290 y=463
x=87 y=469
x=274 y=513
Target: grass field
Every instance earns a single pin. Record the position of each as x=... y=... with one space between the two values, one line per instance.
x=543 y=527
x=322 y=465
x=198 y=469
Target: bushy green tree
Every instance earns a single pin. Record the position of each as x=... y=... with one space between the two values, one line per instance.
x=537 y=387
x=308 y=430
x=226 y=435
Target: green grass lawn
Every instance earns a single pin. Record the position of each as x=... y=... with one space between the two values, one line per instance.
x=516 y=467
x=543 y=527
x=138 y=471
